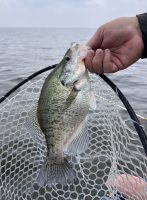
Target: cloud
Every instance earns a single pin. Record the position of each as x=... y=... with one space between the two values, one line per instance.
x=23 y=3
x=8 y=3
x=95 y=2
x=66 y=13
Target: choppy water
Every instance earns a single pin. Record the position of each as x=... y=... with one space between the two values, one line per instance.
x=26 y=50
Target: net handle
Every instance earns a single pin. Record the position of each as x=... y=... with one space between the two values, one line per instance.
x=137 y=125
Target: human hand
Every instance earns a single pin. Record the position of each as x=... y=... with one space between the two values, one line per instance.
x=115 y=46
x=132 y=187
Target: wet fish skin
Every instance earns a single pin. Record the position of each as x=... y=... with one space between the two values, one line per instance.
x=62 y=107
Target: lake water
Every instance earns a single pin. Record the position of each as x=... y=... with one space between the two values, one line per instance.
x=26 y=50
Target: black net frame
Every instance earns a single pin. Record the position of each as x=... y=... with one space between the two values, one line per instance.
x=136 y=122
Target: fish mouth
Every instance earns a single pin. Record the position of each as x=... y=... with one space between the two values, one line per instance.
x=75 y=82
x=69 y=84
x=73 y=85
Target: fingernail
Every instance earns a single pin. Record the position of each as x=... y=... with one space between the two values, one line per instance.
x=107 y=50
x=99 y=51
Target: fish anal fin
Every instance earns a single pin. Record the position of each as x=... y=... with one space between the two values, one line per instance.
x=79 y=142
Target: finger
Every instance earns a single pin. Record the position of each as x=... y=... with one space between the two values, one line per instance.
x=88 y=60
x=108 y=65
x=98 y=61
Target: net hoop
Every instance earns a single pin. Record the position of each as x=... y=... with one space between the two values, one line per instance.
x=136 y=122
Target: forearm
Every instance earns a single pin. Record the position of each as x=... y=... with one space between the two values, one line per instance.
x=142 y=18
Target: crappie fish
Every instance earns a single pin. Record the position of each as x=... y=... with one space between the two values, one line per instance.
x=62 y=112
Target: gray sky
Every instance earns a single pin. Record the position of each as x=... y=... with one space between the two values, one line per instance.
x=66 y=13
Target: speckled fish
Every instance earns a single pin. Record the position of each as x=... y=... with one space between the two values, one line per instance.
x=62 y=112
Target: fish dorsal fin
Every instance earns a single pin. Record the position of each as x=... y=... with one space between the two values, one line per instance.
x=80 y=142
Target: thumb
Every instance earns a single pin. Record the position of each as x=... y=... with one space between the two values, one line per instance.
x=96 y=40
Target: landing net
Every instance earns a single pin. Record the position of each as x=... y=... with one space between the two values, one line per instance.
x=114 y=149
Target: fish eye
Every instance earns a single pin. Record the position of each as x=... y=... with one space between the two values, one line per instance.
x=67 y=58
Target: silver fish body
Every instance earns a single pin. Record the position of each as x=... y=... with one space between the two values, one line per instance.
x=62 y=110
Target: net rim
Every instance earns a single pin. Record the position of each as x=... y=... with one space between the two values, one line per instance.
x=133 y=116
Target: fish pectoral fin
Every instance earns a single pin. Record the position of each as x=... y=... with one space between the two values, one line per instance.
x=92 y=100
x=32 y=124
x=79 y=142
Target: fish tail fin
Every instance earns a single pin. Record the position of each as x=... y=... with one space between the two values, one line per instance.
x=53 y=172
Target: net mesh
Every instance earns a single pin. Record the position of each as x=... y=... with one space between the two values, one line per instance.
x=114 y=153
